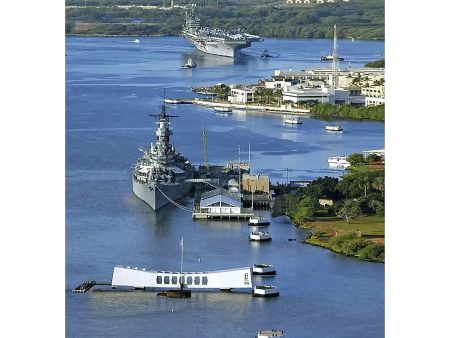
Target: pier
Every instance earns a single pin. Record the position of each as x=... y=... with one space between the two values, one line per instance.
x=257 y=107
x=222 y=216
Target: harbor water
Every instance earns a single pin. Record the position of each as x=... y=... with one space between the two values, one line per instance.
x=112 y=85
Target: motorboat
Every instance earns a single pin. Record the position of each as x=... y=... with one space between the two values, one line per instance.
x=189 y=64
x=336 y=127
x=223 y=110
x=258 y=221
x=270 y=333
x=329 y=57
x=265 y=291
x=259 y=236
x=136 y=41
x=172 y=101
x=266 y=54
x=293 y=120
x=263 y=270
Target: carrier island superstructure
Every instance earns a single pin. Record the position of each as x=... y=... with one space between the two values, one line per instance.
x=160 y=175
x=215 y=41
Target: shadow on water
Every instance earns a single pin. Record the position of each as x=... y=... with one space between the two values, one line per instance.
x=208 y=60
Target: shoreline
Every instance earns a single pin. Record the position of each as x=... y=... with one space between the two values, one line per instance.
x=323 y=245
x=99 y=35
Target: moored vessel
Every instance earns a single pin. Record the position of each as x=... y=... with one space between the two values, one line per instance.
x=259 y=236
x=265 y=291
x=263 y=270
x=159 y=176
x=258 y=221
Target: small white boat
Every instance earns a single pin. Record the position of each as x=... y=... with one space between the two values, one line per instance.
x=223 y=110
x=263 y=270
x=136 y=41
x=265 y=291
x=259 y=236
x=172 y=101
x=258 y=221
x=338 y=162
x=190 y=64
x=334 y=128
x=270 y=333
x=293 y=120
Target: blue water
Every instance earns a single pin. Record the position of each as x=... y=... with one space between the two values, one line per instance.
x=112 y=85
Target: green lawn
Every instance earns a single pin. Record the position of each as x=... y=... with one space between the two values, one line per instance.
x=369 y=225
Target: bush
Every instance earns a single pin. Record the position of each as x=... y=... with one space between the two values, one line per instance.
x=373 y=252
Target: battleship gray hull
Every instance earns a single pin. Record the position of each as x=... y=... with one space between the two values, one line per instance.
x=220 y=48
x=151 y=195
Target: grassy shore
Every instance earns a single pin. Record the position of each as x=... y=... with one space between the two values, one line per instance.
x=352 y=238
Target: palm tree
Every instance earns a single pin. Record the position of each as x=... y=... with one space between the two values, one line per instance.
x=378 y=184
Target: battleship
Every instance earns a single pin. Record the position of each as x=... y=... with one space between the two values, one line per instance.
x=160 y=175
x=216 y=41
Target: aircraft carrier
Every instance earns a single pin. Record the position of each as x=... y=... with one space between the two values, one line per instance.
x=159 y=176
x=215 y=41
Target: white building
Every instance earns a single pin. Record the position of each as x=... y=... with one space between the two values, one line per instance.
x=242 y=95
x=320 y=95
x=374 y=101
x=220 y=201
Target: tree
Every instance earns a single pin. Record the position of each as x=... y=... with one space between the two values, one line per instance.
x=350 y=210
x=356 y=159
x=378 y=184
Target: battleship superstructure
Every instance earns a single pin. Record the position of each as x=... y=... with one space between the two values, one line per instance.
x=159 y=176
x=215 y=41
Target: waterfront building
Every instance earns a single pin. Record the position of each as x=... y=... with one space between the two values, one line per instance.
x=243 y=95
x=220 y=201
x=256 y=183
x=320 y=95
x=379 y=152
x=374 y=101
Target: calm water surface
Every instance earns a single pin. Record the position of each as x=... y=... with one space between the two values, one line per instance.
x=111 y=86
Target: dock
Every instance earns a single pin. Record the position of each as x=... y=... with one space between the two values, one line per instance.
x=257 y=107
x=222 y=216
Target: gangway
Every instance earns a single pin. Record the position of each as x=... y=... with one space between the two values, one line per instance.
x=87 y=285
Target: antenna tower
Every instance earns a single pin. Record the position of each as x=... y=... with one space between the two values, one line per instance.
x=335 y=63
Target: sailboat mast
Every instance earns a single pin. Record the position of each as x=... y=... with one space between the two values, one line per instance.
x=249 y=158
x=181 y=268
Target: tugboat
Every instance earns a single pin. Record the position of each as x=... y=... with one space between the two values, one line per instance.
x=266 y=54
x=189 y=64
